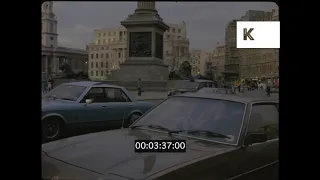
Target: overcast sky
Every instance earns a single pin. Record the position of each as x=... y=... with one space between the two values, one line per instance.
x=206 y=21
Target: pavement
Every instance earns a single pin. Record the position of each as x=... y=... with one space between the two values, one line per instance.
x=152 y=95
x=158 y=96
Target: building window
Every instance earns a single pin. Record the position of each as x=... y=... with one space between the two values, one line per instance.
x=107 y=64
x=179 y=30
x=101 y=64
x=91 y=73
x=97 y=64
x=173 y=30
x=98 y=41
x=51 y=27
x=104 y=34
x=92 y=56
x=109 y=33
x=101 y=73
x=114 y=33
x=101 y=55
x=119 y=55
x=107 y=55
x=104 y=41
x=102 y=48
x=97 y=55
x=91 y=64
x=51 y=38
x=96 y=73
x=99 y=34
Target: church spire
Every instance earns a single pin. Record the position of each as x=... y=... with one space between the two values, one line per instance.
x=49 y=25
x=47 y=6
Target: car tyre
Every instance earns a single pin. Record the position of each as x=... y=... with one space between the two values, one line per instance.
x=133 y=117
x=52 y=129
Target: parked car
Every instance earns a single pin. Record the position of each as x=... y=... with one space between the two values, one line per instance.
x=183 y=86
x=88 y=105
x=227 y=137
x=216 y=91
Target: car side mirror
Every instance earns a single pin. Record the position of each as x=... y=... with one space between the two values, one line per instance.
x=89 y=101
x=252 y=138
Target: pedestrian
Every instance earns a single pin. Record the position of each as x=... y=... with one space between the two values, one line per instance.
x=139 y=87
x=268 y=89
x=50 y=83
x=239 y=87
x=44 y=85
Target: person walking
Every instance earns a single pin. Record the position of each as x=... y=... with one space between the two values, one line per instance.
x=268 y=89
x=44 y=85
x=139 y=87
x=50 y=83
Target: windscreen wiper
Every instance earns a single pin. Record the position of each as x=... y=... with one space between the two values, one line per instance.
x=207 y=133
x=51 y=96
x=69 y=99
x=156 y=127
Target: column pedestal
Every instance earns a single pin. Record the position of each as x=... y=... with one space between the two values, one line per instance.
x=144 y=56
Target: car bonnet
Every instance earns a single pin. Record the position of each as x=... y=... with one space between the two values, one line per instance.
x=113 y=152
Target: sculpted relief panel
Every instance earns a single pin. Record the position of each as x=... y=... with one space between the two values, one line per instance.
x=140 y=44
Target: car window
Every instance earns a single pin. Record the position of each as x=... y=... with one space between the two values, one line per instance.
x=96 y=94
x=69 y=92
x=264 y=118
x=209 y=84
x=115 y=95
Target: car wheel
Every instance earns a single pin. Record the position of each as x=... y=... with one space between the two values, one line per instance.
x=133 y=117
x=52 y=129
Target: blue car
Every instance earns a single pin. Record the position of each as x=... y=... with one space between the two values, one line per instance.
x=88 y=105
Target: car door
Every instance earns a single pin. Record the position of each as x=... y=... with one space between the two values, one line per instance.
x=118 y=105
x=95 y=112
x=261 y=159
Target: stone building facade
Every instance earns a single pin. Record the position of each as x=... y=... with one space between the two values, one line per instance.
x=232 y=60
x=260 y=63
x=199 y=61
x=54 y=55
x=218 y=60
x=109 y=47
x=250 y=63
x=176 y=46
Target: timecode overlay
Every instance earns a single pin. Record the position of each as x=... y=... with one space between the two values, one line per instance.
x=144 y=146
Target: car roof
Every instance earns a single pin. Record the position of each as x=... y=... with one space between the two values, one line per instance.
x=213 y=88
x=196 y=80
x=92 y=83
x=226 y=97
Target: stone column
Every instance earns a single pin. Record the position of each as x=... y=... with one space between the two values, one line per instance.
x=146 y=5
x=45 y=63
x=123 y=54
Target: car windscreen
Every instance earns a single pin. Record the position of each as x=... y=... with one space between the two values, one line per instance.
x=188 y=113
x=207 y=90
x=188 y=85
x=66 y=92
